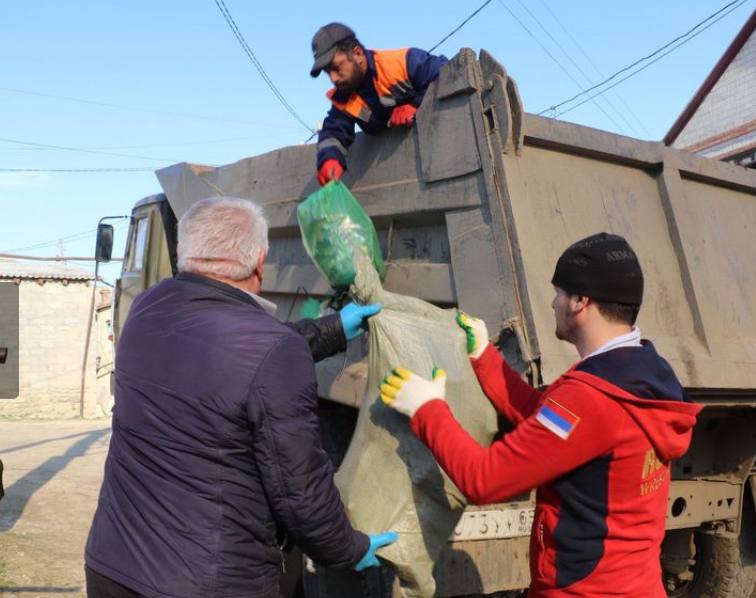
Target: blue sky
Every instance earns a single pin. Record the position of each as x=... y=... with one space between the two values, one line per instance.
x=178 y=87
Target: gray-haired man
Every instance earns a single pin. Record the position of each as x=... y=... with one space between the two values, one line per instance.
x=215 y=448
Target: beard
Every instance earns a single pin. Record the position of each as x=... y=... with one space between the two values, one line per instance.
x=564 y=332
x=351 y=85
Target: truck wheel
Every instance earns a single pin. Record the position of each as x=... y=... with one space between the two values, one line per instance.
x=725 y=564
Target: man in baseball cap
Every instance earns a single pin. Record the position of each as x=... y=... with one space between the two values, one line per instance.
x=372 y=88
x=596 y=443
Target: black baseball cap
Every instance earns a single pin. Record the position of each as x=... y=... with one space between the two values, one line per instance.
x=324 y=45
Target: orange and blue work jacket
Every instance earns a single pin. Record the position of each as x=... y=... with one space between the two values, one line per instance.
x=394 y=78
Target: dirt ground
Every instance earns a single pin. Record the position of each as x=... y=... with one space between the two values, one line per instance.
x=53 y=471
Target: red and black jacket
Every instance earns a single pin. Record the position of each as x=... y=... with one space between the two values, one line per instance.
x=597 y=444
x=394 y=78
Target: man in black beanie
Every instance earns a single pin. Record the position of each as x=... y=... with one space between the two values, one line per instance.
x=596 y=443
x=604 y=268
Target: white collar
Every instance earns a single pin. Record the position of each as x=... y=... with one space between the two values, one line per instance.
x=269 y=307
x=629 y=339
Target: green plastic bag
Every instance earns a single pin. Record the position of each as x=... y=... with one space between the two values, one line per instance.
x=333 y=226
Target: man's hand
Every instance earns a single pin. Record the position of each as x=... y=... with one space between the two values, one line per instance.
x=330 y=170
x=376 y=541
x=403 y=116
x=407 y=392
x=477 y=334
x=354 y=316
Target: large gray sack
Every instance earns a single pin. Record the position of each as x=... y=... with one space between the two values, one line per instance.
x=389 y=480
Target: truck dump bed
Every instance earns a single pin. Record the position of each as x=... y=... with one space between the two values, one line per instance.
x=475 y=203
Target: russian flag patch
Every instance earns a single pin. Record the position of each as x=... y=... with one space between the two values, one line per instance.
x=557 y=419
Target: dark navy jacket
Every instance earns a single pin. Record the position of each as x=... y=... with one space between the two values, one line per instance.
x=337 y=133
x=215 y=450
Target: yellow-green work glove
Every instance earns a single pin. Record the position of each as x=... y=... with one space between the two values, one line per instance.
x=477 y=334
x=407 y=392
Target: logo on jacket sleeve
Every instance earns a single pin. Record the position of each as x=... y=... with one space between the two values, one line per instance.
x=558 y=419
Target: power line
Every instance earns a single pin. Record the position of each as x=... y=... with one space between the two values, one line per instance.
x=150 y=145
x=83 y=150
x=177 y=144
x=645 y=66
x=577 y=44
x=127 y=108
x=654 y=53
x=575 y=64
x=462 y=24
x=73 y=237
x=251 y=55
x=49 y=170
x=61 y=258
x=559 y=64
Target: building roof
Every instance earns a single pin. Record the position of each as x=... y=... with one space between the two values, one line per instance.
x=10 y=268
x=729 y=54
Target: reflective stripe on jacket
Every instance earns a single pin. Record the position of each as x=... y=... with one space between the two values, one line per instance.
x=390 y=79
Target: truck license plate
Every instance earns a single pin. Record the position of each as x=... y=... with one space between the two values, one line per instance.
x=493 y=524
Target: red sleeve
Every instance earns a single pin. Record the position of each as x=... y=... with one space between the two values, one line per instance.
x=528 y=457
x=512 y=397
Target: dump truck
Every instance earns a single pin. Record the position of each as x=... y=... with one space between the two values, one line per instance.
x=473 y=205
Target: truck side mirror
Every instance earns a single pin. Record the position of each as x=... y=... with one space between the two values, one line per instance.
x=104 y=247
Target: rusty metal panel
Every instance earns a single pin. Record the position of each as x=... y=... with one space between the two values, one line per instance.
x=458 y=76
x=474 y=257
x=445 y=115
x=721 y=265
x=506 y=217
x=692 y=502
x=576 y=139
x=559 y=197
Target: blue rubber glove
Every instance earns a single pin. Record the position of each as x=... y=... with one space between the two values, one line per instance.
x=353 y=318
x=376 y=541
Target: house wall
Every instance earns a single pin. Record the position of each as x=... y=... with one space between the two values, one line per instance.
x=53 y=318
x=730 y=104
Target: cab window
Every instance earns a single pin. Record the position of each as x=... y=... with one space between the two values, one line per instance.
x=139 y=245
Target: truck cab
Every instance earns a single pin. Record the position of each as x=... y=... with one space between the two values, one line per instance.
x=150 y=254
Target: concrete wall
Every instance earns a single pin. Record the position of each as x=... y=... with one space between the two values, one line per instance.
x=52 y=329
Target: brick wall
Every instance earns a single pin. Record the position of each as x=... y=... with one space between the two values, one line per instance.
x=52 y=329
x=730 y=104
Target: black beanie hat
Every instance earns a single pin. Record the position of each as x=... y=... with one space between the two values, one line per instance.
x=602 y=267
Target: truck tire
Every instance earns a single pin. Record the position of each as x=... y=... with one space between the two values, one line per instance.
x=725 y=563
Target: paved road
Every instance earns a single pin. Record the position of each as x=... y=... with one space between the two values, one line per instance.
x=53 y=471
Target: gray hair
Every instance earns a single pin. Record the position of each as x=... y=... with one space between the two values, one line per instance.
x=222 y=236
